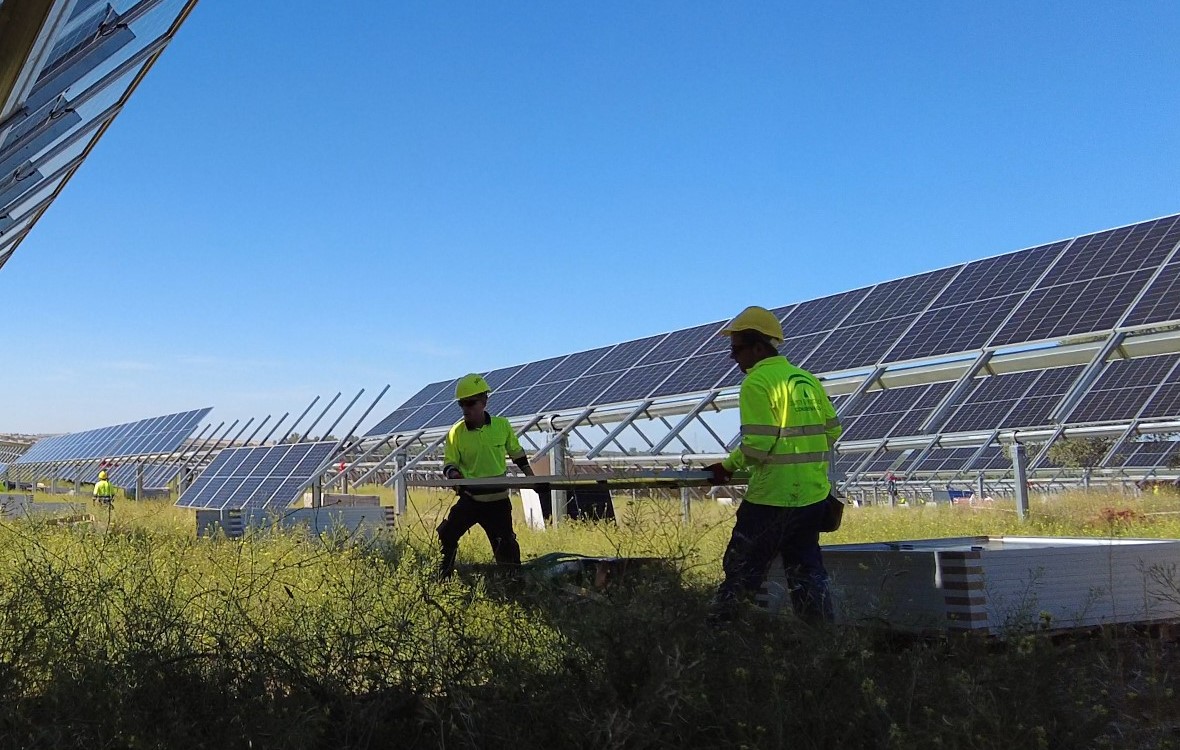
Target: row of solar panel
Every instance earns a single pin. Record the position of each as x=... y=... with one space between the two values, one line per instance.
x=1089 y=284
x=949 y=462
x=267 y=477
x=154 y=436
x=1144 y=389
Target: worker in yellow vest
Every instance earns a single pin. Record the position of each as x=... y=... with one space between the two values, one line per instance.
x=104 y=491
x=788 y=428
x=476 y=447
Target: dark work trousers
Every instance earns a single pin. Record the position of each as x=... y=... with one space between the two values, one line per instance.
x=496 y=519
x=762 y=533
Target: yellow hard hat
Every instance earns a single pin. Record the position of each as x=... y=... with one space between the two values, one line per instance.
x=471 y=385
x=102 y=475
x=758 y=319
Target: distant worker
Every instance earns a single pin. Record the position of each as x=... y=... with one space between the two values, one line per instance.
x=477 y=447
x=104 y=491
x=788 y=427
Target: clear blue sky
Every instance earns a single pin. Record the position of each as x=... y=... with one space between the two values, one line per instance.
x=304 y=198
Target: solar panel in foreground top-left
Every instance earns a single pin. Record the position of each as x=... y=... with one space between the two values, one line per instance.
x=259 y=477
x=154 y=436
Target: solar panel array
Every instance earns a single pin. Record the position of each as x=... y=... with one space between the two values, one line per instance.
x=98 y=55
x=264 y=477
x=155 y=476
x=154 y=436
x=1128 y=276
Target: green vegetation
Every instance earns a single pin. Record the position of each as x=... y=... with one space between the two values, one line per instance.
x=130 y=632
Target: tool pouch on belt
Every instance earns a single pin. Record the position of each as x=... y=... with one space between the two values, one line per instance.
x=833 y=513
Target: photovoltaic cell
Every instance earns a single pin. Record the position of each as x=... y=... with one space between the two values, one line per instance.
x=957 y=328
x=497 y=378
x=700 y=373
x=575 y=365
x=1034 y=409
x=680 y=345
x=625 y=355
x=532 y=400
x=821 y=314
x=1078 y=307
x=1123 y=389
x=388 y=426
x=875 y=414
x=583 y=391
x=531 y=373
x=634 y=384
x=1114 y=251
x=796 y=349
x=900 y=297
x=257 y=477
x=1148 y=454
x=1012 y=273
x=1161 y=300
x=857 y=346
x=988 y=401
x=1165 y=403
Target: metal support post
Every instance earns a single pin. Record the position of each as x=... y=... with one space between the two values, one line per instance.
x=400 y=487
x=979 y=486
x=317 y=495
x=138 y=482
x=557 y=461
x=685 y=502
x=1020 y=478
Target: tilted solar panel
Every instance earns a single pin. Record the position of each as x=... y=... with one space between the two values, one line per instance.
x=1161 y=299
x=1123 y=389
x=257 y=477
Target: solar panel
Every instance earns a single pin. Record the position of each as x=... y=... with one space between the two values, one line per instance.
x=900 y=297
x=1148 y=454
x=952 y=329
x=148 y=436
x=1073 y=308
x=1002 y=275
x=1115 y=251
x=857 y=346
x=700 y=373
x=821 y=314
x=1123 y=389
x=1034 y=409
x=1165 y=403
x=583 y=391
x=155 y=476
x=635 y=384
x=531 y=373
x=893 y=411
x=946 y=460
x=257 y=477
x=626 y=354
x=797 y=348
x=575 y=365
x=1161 y=299
x=984 y=405
x=679 y=345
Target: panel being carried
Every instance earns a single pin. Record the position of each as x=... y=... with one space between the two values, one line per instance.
x=266 y=477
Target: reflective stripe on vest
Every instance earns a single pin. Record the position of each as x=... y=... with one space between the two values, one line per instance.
x=776 y=432
x=767 y=457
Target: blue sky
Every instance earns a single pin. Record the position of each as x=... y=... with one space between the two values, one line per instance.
x=300 y=201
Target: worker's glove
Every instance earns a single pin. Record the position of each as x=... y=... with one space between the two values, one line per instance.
x=721 y=475
x=454 y=474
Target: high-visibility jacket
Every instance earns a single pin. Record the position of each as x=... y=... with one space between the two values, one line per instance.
x=104 y=489
x=481 y=453
x=788 y=430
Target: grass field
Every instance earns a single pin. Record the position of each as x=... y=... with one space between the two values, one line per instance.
x=130 y=632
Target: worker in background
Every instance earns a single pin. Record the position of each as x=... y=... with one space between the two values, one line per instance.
x=788 y=427
x=477 y=447
x=104 y=491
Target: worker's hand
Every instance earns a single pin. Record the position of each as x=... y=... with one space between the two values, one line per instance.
x=454 y=474
x=721 y=475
